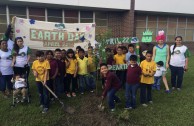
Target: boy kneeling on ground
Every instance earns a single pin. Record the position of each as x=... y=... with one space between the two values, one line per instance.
x=112 y=85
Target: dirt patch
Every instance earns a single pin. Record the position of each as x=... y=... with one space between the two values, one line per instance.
x=87 y=114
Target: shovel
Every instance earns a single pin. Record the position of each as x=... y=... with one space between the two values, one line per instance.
x=66 y=108
x=101 y=107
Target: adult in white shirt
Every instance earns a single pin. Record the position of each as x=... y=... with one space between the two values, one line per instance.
x=6 y=69
x=21 y=56
x=178 y=62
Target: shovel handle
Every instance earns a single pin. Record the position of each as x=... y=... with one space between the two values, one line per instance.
x=51 y=91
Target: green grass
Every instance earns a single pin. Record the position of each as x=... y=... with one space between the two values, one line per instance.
x=172 y=109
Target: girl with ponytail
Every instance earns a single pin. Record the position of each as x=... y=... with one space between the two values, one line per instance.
x=178 y=62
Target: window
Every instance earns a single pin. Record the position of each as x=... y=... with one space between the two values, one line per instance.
x=71 y=16
x=17 y=11
x=101 y=19
x=3 y=20
x=54 y=15
x=37 y=13
x=86 y=17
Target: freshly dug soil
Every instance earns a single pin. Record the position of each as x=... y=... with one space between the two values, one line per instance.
x=87 y=114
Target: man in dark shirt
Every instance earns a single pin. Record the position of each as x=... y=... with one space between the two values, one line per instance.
x=112 y=85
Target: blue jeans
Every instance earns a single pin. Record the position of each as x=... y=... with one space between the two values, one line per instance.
x=156 y=84
x=6 y=81
x=59 y=85
x=112 y=97
x=84 y=81
x=176 y=76
x=92 y=79
x=130 y=95
x=145 y=93
x=43 y=94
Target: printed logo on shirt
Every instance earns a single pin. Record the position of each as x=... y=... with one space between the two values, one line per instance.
x=22 y=54
x=158 y=69
x=177 y=52
x=40 y=70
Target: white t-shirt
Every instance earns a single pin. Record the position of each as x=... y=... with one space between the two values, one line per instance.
x=178 y=58
x=160 y=71
x=10 y=44
x=21 y=58
x=20 y=83
x=5 y=62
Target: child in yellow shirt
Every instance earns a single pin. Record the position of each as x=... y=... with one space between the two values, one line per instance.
x=83 y=72
x=71 y=73
x=147 y=79
x=40 y=69
x=119 y=59
x=92 y=66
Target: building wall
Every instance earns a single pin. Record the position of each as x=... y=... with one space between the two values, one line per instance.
x=172 y=25
x=172 y=6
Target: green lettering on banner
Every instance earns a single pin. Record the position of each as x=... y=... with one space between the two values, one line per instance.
x=61 y=36
x=76 y=36
x=33 y=34
x=47 y=35
x=40 y=35
x=70 y=36
x=54 y=34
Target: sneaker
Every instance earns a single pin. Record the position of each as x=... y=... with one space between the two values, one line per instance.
x=73 y=94
x=92 y=91
x=128 y=108
x=178 y=89
x=144 y=105
x=167 y=91
x=68 y=95
x=173 y=88
x=17 y=100
x=112 y=110
x=151 y=102
x=82 y=93
x=45 y=110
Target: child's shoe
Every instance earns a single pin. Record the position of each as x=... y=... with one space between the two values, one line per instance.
x=112 y=110
x=151 y=102
x=92 y=91
x=173 y=88
x=82 y=93
x=128 y=108
x=167 y=91
x=23 y=99
x=68 y=95
x=73 y=94
x=144 y=105
x=45 y=110
x=178 y=89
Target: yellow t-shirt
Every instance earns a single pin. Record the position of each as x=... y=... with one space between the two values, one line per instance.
x=72 y=66
x=40 y=68
x=76 y=55
x=82 y=66
x=119 y=59
x=91 y=63
x=147 y=68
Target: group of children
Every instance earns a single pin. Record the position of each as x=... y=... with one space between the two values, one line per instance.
x=69 y=71
x=148 y=74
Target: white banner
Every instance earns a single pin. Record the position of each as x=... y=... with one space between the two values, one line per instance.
x=49 y=36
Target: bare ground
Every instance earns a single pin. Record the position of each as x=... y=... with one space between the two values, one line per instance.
x=87 y=114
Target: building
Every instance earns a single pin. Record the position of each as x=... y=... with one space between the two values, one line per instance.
x=124 y=18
